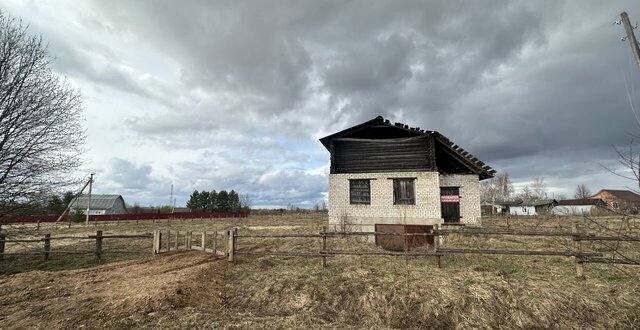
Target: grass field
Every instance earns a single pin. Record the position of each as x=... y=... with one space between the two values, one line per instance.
x=191 y=289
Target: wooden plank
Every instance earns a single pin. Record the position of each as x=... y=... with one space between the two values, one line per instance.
x=156 y=241
x=168 y=240
x=231 y=246
x=215 y=242
x=204 y=240
x=324 y=245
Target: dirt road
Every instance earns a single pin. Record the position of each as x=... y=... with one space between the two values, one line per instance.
x=117 y=295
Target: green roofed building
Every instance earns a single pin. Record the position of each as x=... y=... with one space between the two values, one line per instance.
x=100 y=204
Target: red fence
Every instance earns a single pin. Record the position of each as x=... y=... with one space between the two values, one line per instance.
x=127 y=217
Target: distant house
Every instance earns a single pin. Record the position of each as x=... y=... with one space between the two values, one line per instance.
x=530 y=207
x=100 y=204
x=584 y=206
x=624 y=200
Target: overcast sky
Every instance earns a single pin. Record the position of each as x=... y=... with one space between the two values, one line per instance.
x=235 y=94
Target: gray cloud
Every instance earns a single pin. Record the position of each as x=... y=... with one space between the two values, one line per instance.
x=236 y=93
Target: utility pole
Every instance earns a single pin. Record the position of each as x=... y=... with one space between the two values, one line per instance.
x=89 y=200
x=633 y=42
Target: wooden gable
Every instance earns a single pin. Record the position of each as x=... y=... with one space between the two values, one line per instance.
x=379 y=146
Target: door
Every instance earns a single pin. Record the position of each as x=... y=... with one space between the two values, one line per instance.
x=450 y=204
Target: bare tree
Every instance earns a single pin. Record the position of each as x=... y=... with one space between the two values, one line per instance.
x=41 y=136
x=582 y=191
x=537 y=190
x=497 y=189
x=245 y=202
x=630 y=161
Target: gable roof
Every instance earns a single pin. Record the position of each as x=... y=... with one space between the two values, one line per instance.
x=528 y=202
x=622 y=194
x=383 y=127
x=98 y=202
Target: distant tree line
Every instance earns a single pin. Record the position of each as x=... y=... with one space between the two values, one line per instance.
x=51 y=204
x=222 y=201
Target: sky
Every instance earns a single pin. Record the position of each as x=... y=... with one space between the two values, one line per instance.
x=213 y=95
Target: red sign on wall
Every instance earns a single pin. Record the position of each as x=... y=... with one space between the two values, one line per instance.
x=450 y=199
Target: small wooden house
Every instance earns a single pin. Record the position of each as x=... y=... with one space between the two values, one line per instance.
x=384 y=173
x=531 y=207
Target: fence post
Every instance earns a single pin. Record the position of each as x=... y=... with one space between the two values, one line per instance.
x=188 y=238
x=203 y=247
x=578 y=258
x=47 y=246
x=324 y=246
x=2 y=238
x=98 y=245
x=436 y=239
x=177 y=237
x=38 y=225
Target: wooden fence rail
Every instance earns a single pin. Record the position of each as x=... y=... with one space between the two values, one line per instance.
x=580 y=256
x=46 y=250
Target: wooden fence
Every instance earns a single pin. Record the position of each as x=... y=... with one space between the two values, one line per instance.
x=125 y=217
x=580 y=257
x=46 y=248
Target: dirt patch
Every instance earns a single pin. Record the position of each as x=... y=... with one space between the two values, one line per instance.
x=115 y=295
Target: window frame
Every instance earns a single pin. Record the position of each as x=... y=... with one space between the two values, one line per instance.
x=351 y=199
x=407 y=200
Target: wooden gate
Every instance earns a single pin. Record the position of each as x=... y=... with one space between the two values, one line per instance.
x=168 y=240
x=450 y=204
x=400 y=243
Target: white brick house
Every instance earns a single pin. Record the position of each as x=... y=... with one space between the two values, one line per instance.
x=383 y=173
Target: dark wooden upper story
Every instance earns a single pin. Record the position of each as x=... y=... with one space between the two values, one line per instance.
x=380 y=146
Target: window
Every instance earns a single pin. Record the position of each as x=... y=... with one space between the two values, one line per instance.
x=404 y=191
x=360 y=191
x=615 y=205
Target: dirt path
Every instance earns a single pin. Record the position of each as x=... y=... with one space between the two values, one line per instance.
x=116 y=295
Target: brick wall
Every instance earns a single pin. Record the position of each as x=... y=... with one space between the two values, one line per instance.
x=469 y=194
x=382 y=210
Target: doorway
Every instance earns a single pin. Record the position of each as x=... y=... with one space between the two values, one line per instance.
x=450 y=204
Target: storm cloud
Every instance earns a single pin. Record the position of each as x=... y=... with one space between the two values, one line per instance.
x=234 y=94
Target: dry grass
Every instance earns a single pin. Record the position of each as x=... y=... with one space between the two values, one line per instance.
x=191 y=290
